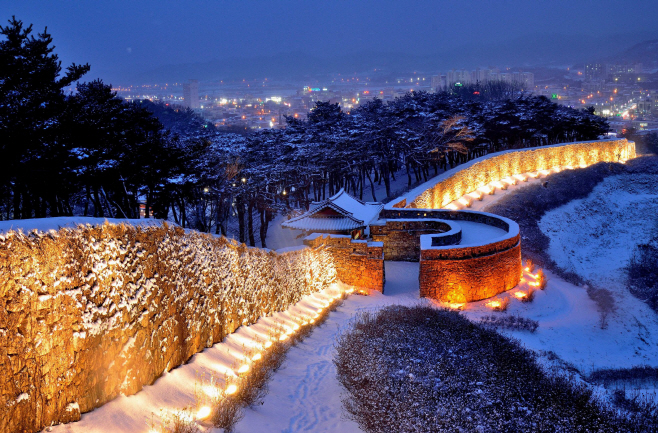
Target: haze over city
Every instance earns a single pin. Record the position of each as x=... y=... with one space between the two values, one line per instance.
x=124 y=41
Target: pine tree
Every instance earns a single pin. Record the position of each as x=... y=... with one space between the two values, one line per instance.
x=31 y=101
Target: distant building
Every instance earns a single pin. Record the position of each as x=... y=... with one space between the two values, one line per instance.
x=458 y=76
x=527 y=80
x=438 y=82
x=594 y=70
x=191 y=94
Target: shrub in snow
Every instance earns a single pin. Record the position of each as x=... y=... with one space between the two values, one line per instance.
x=605 y=304
x=421 y=369
x=515 y=323
x=541 y=279
x=499 y=305
x=181 y=421
x=642 y=273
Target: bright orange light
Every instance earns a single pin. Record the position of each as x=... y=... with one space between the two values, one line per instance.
x=520 y=295
x=256 y=357
x=494 y=304
x=268 y=344
x=203 y=412
x=232 y=389
x=243 y=369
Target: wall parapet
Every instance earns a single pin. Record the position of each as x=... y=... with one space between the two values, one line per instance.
x=358 y=263
x=90 y=313
x=468 y=177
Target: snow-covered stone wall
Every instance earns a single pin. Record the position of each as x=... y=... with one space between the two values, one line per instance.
x=471 y=273
x=452 y=270
x=358 y=263
x=91 y=313
x=401 y=237
x=453 y=184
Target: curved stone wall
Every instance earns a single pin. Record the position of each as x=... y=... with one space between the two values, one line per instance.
x=458 y=273
x=465 y=273
x=479 y=172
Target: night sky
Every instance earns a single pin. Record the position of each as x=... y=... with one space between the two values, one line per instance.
x=115 y=36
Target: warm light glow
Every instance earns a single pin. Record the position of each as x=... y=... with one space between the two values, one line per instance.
x=243 y=369
x=256 y=357
x=456 y=306
x=527 y=269
x=534 y=284
x=494 y=304
x=520 y=295
x=203 y=412
x=232 y=389
x=211 y=391
x=283 y=337
x=268 y=344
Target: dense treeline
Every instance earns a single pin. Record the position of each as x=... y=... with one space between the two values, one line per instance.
x=91 y=153
x=86 y=153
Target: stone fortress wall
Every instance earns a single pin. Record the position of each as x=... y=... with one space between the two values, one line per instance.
x=479 y=172
x=449 y=271
x=88 y=314
x=463 y=273
x=358 y=263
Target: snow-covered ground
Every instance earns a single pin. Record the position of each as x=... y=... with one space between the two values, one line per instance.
x=595 y=237
x=569 y=326
x=304 y=395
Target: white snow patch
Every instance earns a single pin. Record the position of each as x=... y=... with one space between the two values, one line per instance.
x=55 y=223
x=595 y=237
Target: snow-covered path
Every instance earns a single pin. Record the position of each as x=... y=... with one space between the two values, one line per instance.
x=304 y=395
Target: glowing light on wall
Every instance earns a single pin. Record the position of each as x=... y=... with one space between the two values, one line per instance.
x=203 y=412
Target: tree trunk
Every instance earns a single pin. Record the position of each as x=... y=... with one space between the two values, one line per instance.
x=241 y=229
x=250 y=223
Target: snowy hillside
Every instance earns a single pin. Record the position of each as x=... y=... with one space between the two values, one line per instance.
x=595 y=237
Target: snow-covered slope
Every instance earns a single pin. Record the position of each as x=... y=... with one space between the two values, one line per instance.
x=595 y=237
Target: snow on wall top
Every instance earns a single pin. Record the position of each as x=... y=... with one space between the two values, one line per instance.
x=55 y=223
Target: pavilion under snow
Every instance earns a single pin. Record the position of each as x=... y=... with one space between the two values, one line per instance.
x=339 y=214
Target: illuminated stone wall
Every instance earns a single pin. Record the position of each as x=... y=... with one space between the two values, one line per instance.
x=401 y=238
x=459 y=275
x=92 y=313
x=479 y=172
x=358 y=263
